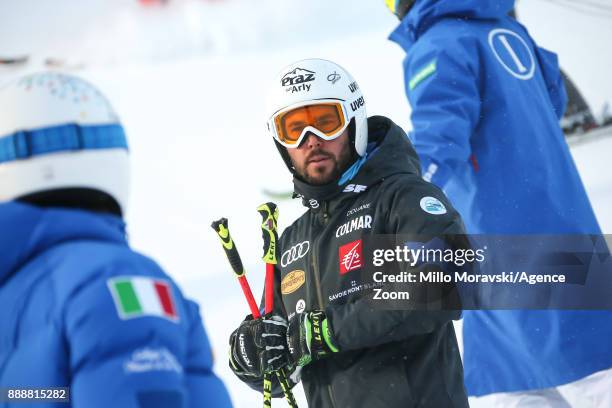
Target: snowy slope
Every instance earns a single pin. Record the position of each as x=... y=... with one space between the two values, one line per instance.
x=592 y=158
x=190 y=94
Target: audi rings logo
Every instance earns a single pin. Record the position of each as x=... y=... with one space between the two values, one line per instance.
x=313 y=203
x=294 y=253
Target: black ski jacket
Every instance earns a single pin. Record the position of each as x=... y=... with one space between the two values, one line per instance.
x=387 y=358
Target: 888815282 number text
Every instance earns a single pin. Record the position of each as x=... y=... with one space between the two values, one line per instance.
x=46 y=394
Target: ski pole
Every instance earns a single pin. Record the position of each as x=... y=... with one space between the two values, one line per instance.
x=221 y=228
x=269 y=213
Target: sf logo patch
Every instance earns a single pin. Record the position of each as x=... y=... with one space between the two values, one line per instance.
x=350 y=256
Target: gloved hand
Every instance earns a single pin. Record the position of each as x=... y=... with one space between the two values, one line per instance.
x=309 y=337
x=259 y=346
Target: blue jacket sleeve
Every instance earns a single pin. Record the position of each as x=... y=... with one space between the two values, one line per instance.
x=205 y=389
x=142 y=362
x=442 y=86
x=549 y=64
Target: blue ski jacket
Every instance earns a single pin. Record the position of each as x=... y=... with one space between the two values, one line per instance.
x=486 y=103
x=80 y=309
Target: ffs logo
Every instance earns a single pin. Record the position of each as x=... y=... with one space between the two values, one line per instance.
x=350 y=256
x=432 y=205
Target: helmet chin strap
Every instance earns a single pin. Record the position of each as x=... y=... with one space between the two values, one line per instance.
x=285 y=156
x=352 y=134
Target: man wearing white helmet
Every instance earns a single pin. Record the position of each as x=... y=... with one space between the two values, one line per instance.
x=358 y=177
x=80 y=309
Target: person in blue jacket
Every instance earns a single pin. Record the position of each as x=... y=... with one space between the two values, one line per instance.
x=78 y=307
x=486 y=103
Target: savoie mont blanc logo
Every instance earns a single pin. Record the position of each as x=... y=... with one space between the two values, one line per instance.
x=140 y=296
x=433 y=206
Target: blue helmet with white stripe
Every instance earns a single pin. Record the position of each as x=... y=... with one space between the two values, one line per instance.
x=57 y=131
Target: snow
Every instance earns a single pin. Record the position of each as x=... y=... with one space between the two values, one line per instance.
x=592 y=160
x=189 y=82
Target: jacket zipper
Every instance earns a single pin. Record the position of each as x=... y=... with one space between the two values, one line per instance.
x=318 y=284
x=314 y=254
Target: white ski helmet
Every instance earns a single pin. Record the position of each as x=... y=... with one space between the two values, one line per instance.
x=315 y=81
x=58 y=131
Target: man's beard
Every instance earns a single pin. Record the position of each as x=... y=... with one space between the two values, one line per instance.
x=317 y=176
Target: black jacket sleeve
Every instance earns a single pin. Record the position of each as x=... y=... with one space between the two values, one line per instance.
x=360 y=324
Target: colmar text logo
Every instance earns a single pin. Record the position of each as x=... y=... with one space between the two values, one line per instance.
x=350 y=257
x=358 y=223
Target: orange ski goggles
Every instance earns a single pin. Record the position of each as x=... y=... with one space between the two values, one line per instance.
x=327 y=119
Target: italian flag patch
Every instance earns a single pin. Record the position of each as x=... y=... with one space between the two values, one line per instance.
x=139 y=296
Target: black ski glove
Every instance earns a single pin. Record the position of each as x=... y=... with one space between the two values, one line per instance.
x=309 y=337
x=259 y=346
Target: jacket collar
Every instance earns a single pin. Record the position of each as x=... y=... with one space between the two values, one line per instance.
x=389 y=152
x=426 y=13
x=26 y=231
